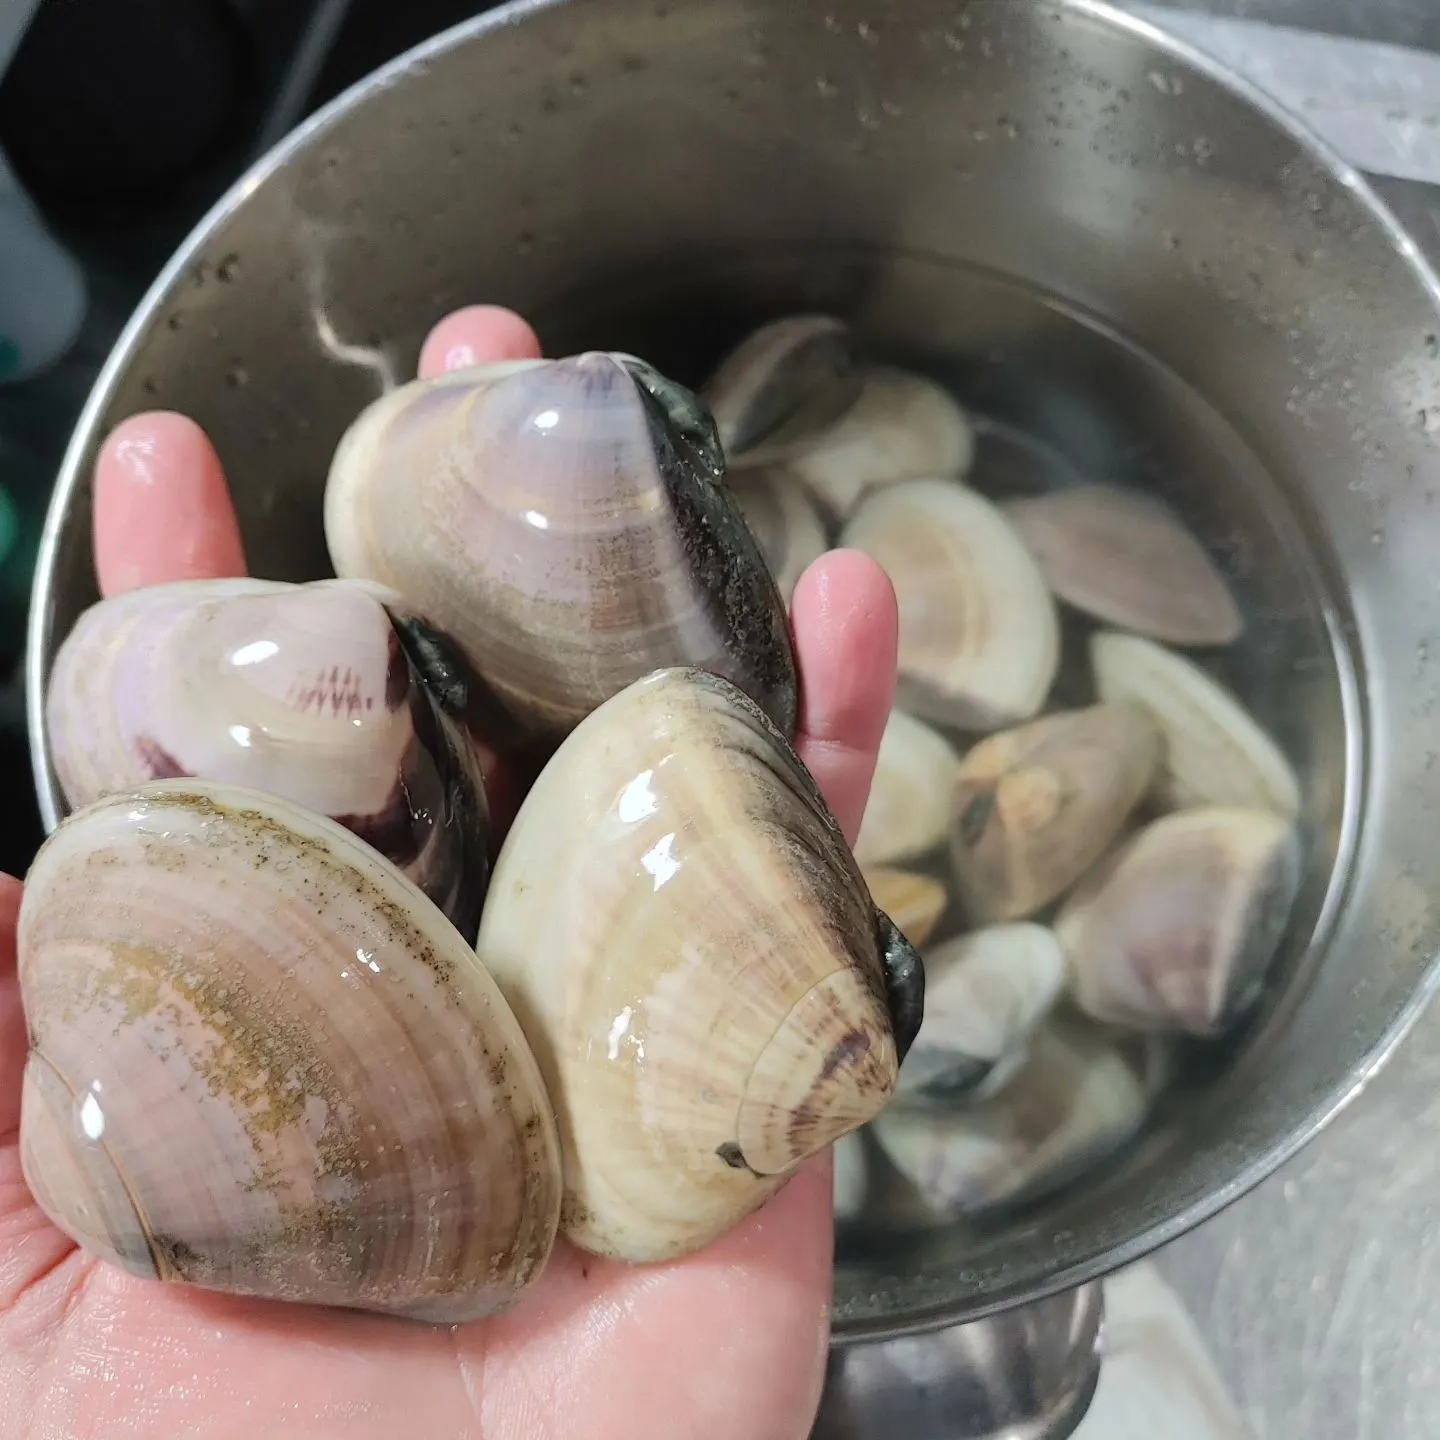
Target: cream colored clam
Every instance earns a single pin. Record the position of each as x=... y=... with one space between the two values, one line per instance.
x=688 y=942
x=1076 y=1099
x=914 y=902
x=979 y=633
x=912 y=795
x=262 y=1062
x=1035 y=807
x=1177 y=929
x=785 y=524
x=985 y=994
x=1127 y=559
x=852 y=1176
x=1215 y=751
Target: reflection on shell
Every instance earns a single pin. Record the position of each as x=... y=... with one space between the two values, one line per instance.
x=262 y=1062
x=979 y=634
x=307 y=692
x=565 y=522
x=1215 y=752
x=1127 y=559
x=1035 y=807
x=1075 y=1100
x=911 y=798
x=1177 y=929
x=692 y=951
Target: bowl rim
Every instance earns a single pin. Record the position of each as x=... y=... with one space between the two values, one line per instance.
x=73 y=473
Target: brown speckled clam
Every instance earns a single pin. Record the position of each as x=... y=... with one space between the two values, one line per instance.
x=707 y=984
x=309 y=692
x=565 y=522
x=262 y=1062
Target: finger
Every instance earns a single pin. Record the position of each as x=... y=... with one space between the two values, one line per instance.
x=477 y=335
x=12 y=1019
x=846 y=628
x=162 y=510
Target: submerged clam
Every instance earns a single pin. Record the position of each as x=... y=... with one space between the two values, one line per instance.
x=784 y=523
x=1126 y=558
x=912 y=795
x=262 y=1062
x=852 y=1176
x=914 y=902
x=985 y=995
x=787 y=380
x=689 y=945
x=309 y=692
x=1076 y=1099
x=1215 y=751
x=1035 y=807
x=1176 y=930
x=979 y=633
x=565 y=522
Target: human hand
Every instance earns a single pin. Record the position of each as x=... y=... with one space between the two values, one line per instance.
x=727 y=1344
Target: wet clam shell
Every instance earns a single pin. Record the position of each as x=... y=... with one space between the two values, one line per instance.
x=262 y=1062
x=1216 y=753
x=1076 y=1100
x=1127 y=559
x=912 y=795
x=985 y=995
x=979 y=632
x=705 y=981
x=565 y=523
x=1176 y=930
x=307 y=692
x=1036 y=807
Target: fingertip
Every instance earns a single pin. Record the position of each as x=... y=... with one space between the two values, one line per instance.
x=161 y=508
x=477 y=335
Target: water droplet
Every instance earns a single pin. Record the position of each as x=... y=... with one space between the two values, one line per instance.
x=177 y=320
x=868 y=119
x=1172 y=240
x=892 y=109
x=514 y=129
x=825 y=87
x=1432 y=345
x=150 y=386
x=228 y=269
x=1008 y=127
x=832 y=24
x=955 y=42
x=868 y=33
x=237 y=377
x=1167 y=84
x=1430 y=420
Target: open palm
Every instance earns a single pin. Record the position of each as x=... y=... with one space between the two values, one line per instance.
x=728 y=1344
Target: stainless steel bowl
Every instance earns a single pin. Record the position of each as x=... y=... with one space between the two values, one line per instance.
x=1101 y=237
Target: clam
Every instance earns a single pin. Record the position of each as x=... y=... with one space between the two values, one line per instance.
x=979 y=633
x=566 y=524
x=262 y=1062
x=914 y=902
x=1037 y=806
x=985 y=995
x=1176 y=930
x=1215 y=752
x=789 y=379
x=1127 y=559
x=691 y=949
x=1074 y=1101
x=852 y=1177
x=911 y=797
x=309 y=692
x=785 y=524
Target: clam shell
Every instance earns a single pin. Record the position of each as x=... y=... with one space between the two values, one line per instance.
x=307 y=692
x=565 y=523
x=1037 y=806
x=786 y=380
x=985 y=995
x=1126 y=558
x=901 y=427
x=262 y=1062
x=1215 y=752
x=912 y=795
x=852 y=1177
x=979 y=633
x=710 y=992
x=914 y=902
x=1075 y=1101
x=785 y=524
x=1175 y=932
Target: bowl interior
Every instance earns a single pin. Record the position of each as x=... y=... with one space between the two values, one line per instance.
x=1132 y=270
